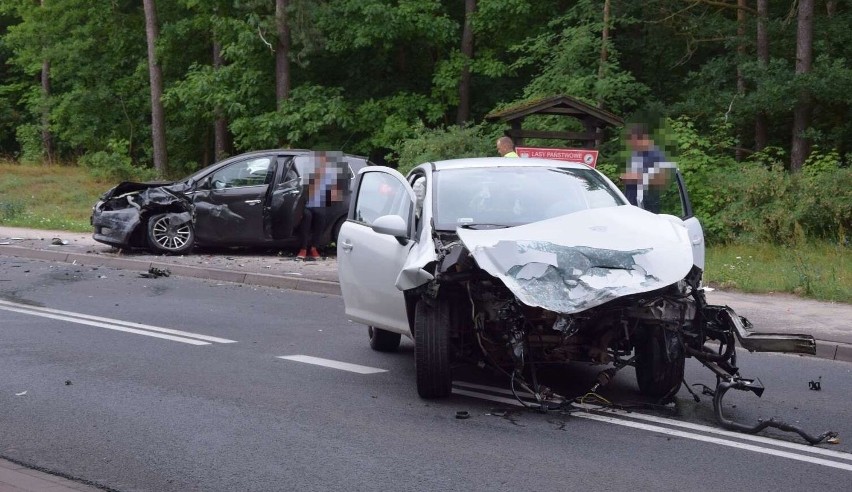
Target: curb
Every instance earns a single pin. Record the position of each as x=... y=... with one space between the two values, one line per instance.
x=261 y=279
x=824 y=349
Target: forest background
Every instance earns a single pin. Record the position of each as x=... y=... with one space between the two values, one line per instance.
x=751 y=98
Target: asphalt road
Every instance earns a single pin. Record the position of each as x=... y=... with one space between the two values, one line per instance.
x=207 y=403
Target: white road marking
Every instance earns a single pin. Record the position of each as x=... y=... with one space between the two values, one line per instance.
x=335 y=364
x=722 y=432
x=493 y=389
x=114 y=324
x=498 y=399
x=714 y=440
x=628 y=419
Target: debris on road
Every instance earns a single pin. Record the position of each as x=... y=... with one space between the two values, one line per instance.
x=22 y=393
x=815 y=385
x=155 y=272
x=58 y=242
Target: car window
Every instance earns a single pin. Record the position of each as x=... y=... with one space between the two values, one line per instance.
x=516 y=195
x=251 y=172
x=381 y=194
x=670 y=198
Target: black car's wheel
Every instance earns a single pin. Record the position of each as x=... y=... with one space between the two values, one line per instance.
x=335 y=231
x=383 y=340
x=432 y=348
x=167 y=236
x=659 y=364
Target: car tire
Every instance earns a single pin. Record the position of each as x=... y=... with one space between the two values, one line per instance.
x=165 y=238
x=659 y=375
x=383 y=340
x=432 y=348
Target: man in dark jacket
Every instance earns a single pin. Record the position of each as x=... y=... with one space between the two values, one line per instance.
x=648 y=170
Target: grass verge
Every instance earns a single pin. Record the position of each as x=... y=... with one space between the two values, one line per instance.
x=47 y=197
x=819 y=270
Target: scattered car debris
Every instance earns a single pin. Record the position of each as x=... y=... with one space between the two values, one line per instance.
x=833 y=440
x=22 y=393
x=58 y=242
x=462 y=414
x=68 y=382
x=815 y=385
x=155 y=272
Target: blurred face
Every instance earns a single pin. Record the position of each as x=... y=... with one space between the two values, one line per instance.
x=639 y=142
x=503 y=147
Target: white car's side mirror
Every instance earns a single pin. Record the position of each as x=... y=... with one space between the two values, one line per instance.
x=392 y=225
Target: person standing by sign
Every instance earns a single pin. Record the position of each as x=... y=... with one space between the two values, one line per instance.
x=505 y=147
x=647 y=171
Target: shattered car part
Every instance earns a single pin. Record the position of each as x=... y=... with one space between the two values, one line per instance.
x=525 y=262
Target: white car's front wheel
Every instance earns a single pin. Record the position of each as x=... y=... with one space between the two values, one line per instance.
x=432 y=348
x=659 y=363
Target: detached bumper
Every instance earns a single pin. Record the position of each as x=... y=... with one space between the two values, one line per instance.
x=763 y=342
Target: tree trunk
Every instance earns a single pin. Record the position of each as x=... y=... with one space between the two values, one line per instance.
x=282 y=52
x=467 y=52
x=46 y=135
x=220 y=133
x=158 y=120
x=804 y=106
x=761 y=124
x=741 y=53
x=604 y=46
x=831 y=8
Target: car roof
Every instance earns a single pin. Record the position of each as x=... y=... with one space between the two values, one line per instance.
x=485 y=162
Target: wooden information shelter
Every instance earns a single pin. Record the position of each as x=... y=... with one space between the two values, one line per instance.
x=594 y=120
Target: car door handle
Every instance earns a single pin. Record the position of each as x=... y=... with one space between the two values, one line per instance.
x=346 y=246
x=252 y=202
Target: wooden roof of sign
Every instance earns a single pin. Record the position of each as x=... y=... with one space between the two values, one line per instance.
x=559 y=105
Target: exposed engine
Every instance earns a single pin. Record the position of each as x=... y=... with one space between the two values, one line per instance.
x=653 y=331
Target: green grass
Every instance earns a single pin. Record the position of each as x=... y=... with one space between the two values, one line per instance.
x=47 y=197
x=61 y=198
x=819 y=270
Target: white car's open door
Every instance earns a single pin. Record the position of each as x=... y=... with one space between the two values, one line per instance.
x=372 y=247
x=696 y=232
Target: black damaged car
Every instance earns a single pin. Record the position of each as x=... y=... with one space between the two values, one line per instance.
x=253 y=199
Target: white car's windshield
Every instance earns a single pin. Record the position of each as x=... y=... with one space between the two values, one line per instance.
x=511 y=196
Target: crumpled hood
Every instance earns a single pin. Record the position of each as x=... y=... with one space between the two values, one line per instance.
x=131 y=186
x=575 y=262
x=144 y=194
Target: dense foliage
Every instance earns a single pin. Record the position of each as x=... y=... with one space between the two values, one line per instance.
x=384 y=78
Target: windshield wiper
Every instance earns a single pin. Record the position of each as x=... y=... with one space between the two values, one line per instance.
x=483 y=226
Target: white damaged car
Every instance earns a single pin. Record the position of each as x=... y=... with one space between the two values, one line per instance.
x=521 y=262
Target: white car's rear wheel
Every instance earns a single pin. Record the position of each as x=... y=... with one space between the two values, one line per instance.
x=383 y=340
x=432 y=348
